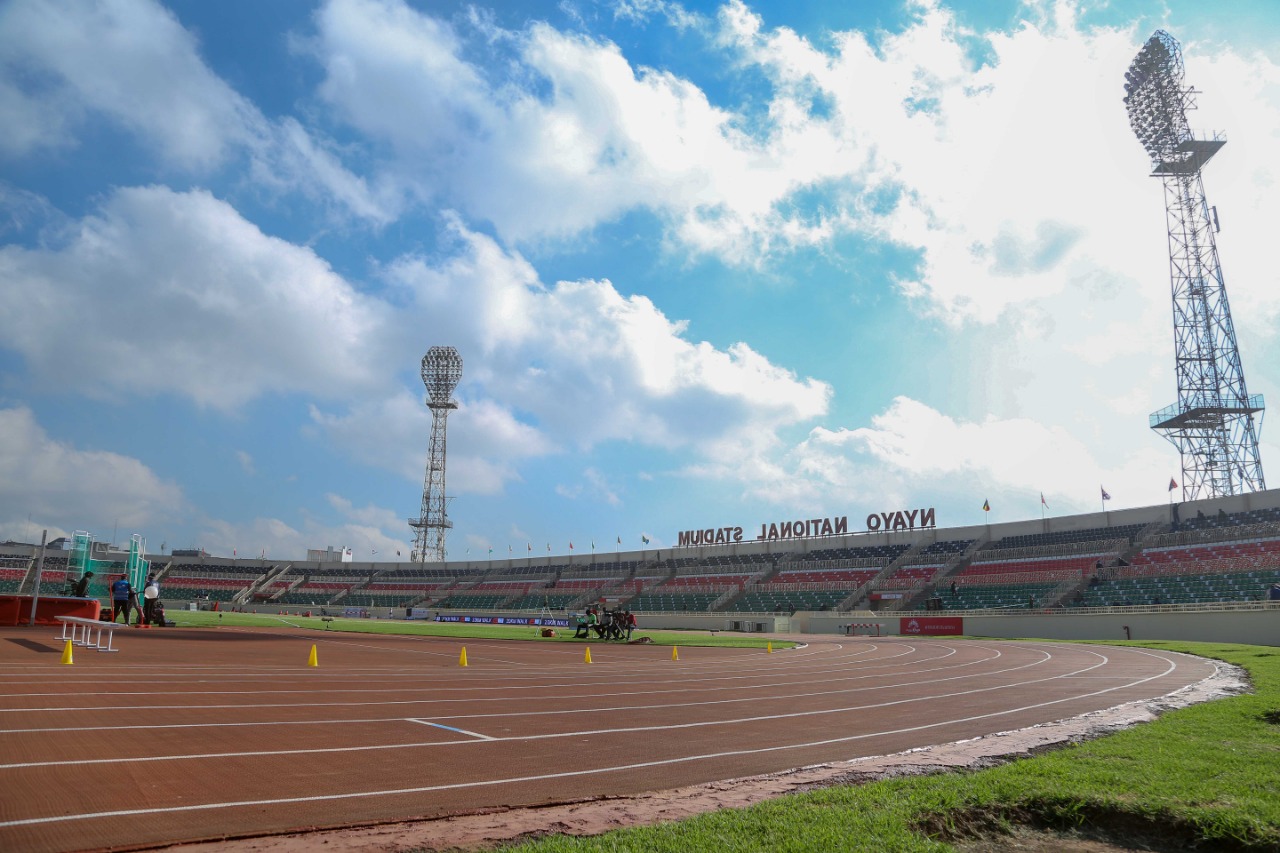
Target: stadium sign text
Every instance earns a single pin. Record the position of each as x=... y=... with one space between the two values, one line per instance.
x=804 y=528
x=901 y=520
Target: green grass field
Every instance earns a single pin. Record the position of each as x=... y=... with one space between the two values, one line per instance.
x=206 y=619
x=1205 y=777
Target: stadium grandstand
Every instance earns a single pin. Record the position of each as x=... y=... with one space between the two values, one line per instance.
x=1210 y=553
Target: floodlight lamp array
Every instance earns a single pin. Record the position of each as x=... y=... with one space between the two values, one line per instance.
x=441 y=372
x=1156 y=99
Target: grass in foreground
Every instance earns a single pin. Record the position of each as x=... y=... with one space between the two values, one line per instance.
x=1205 y=776
x=419 y=628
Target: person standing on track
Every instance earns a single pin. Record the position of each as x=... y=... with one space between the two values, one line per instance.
x=150 y=594
x=121 y=598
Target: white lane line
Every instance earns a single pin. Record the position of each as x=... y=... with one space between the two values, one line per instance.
x=703 y=686
x=449 y=728
x=554 y=735
x=569 y=773
x=754 y=697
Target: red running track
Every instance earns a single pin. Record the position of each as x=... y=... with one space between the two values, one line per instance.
x=199 y=734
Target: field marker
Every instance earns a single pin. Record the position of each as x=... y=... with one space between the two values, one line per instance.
x=311 y=659
x=449 y=728
x=462 y=658
x=67 y=657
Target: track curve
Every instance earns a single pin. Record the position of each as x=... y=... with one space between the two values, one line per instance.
x=207 y=734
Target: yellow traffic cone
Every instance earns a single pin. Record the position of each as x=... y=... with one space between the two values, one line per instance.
x=311 y=659
x=675 y=653
x=462 y=658
x=587 y=659
x=66 y=654
x=770 y=646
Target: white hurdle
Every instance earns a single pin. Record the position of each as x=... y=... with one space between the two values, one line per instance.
x=80 y=629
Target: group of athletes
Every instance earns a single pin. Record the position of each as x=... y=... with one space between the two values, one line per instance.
x=605 y=624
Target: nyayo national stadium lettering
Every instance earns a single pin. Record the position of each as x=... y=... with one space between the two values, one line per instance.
x=804 y=528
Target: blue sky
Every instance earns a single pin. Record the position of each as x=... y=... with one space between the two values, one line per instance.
x=706 y=264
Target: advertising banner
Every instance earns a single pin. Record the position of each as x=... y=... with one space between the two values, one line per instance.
x=931 y=625
x=503 y=620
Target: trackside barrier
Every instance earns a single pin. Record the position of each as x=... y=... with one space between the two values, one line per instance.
x=80 y=629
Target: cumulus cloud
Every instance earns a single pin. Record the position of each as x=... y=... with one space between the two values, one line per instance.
x=580 y=347
x=556 y=369
x=132 y=62
x=273 y=538
x=63 y=488
x=187 y=298
x=915 y=449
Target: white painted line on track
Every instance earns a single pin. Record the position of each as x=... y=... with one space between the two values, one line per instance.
x=562 y=775
x=449 y=728
x=622 y=730
x=703 y=685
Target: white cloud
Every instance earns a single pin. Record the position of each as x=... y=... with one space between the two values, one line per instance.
x=64 y=489
x=486 y=443
x=132 y=61
x=551 y=369
x=594 y=485
x=582 y=347
x=281 y=540
x=190 y=299
x=914 y=449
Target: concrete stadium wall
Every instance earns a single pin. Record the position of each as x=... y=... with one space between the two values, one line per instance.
x=1255 y=626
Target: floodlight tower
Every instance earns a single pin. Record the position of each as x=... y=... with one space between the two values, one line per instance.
x=1213 y=424
x=441 y=370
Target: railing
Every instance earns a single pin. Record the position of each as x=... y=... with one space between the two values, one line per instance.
x=1211 y=535
x=1066 y=549
x=827 y=565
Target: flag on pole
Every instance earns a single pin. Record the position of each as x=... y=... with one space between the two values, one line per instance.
x=530 y=544
x=1042 y=503
x=1173 y=484
x=509 y=551
x=619 y=540
x=593 y=544
x=571 y=546
x=986 y=506
x=548 y=547
x=1105 y=496
x=644 y=539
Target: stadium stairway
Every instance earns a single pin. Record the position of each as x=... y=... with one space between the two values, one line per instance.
x=952 y=567
x=855 y=597
x=269 y=576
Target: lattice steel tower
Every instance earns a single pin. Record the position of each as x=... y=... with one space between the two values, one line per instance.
x=441 y=370
x=1215 y=422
